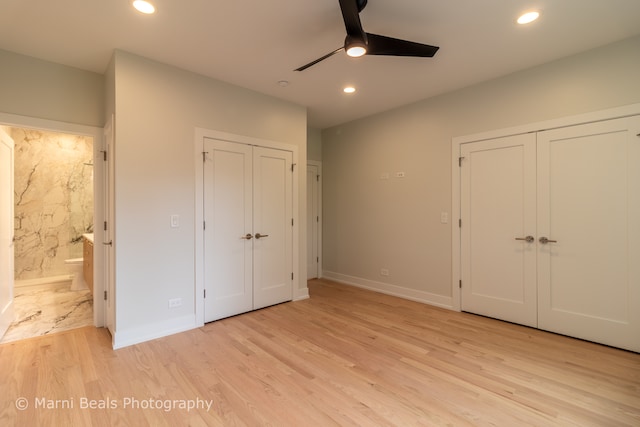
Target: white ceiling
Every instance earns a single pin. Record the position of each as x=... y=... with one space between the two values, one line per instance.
x=256 y=43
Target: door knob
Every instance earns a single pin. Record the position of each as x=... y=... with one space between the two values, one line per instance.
x=544 y=240
x=248 y=236
x=529 y=239
x=258 y=235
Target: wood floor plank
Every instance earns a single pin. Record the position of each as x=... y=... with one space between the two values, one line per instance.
x=344 y=357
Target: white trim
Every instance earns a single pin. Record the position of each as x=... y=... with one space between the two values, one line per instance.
x=300 y=279
x=96 y=133
x=394 y=290
x=319 y=166
x=456 y=144
x=302 y=293
x=137 y=335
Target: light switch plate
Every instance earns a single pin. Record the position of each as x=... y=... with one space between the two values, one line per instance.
x=175 y=221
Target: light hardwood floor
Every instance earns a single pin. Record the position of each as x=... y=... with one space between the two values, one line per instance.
x=344 y=357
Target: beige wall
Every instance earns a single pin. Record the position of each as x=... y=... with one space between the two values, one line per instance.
x=314 y=144
x=35 y=88
x=372 y=223
x=157 y=109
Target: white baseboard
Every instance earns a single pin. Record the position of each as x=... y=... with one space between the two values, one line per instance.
x=127 y=337
x=396 y=291
x=301 y=293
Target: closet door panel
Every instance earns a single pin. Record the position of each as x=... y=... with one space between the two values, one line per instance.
x=497 y=208
x=228 y=206
x=273 y=213
x=589 y=204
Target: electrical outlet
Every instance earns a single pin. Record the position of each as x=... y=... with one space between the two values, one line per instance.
x=384 y=272
x=400 y=175
x=175 y=302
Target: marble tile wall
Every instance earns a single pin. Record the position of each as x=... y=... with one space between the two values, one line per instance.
x=53 y=200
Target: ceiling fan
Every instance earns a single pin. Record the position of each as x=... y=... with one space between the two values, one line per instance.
x=358 y=42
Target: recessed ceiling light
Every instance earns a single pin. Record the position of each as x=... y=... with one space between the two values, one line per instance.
x=528 y=17
x=144 y=6
x=349 y=89
x=283 y=83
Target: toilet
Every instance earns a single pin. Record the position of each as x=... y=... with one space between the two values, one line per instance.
x=76 y=269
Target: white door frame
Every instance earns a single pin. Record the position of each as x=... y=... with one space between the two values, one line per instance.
x=7 y=314
x=318 y=165
x=456 y=143
x=200 y=135
x=107 y=244
x=96 y=133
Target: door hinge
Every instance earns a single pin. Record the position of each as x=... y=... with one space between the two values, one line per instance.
x=204 y=156
x=460 y=161
x=293 y=165
x=317 y=259
x=205 y=293
x=104 y=155
x=292 y=222
x=291 y=276
x=318 y=178
x=318 y=218
x=460 y=284
x=460 y=223
x=105 y=226
x=105 y=295
x=204 y=225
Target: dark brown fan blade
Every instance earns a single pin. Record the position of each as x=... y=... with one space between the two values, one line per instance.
x=383 y=45
x=351 y=17
x=304 y=67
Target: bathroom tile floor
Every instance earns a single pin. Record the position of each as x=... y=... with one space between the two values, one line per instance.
x=46 y=309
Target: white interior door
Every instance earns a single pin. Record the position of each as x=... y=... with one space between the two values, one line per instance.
x=498 y=207
x=272 y=226
x=313 y=215
x=6 y=232
x=589 y=203
x=228 y=236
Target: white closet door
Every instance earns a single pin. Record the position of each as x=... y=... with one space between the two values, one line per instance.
x=272 y=216
x=228 y=214
x=589 y=202
x=497 y=207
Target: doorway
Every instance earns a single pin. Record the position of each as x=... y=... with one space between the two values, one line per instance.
x=57 y=204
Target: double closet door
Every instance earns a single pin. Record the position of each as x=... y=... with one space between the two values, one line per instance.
x=550 y=232
x=248 y=211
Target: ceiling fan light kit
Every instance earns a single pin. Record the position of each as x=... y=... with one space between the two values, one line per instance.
x=358 y=42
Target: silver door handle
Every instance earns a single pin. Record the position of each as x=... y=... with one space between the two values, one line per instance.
x=258 y=235
x=544 y=240
x=528 y=238
x=247 y=236
x=109 y=243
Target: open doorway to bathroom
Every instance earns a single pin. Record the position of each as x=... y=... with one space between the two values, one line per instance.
x=53 y=224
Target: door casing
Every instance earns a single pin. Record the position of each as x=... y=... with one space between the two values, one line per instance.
x=96 y=133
